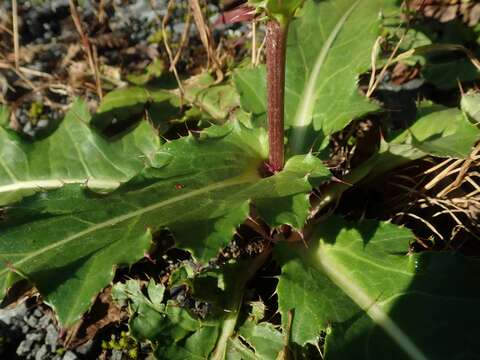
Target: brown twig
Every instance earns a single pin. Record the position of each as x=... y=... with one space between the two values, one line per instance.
x=86 y=46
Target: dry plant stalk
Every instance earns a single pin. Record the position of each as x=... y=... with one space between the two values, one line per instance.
x=86 y=46
x=16 y=39
x=206 y=38
x=183 y=43
x=254 y=42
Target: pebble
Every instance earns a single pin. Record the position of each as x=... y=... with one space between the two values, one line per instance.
x=32 y=321
x=69 y=355
x=51 y=337
x=24 y=347
x=116 y=355
x=6 y=315
x=41 y=353
x=44 y=321
x=36 y=336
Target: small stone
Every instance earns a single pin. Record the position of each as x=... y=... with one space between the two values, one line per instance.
x=32 y=321
x=8 y=316
x=25 y=328
x=116 y=355
x=44 y=321
x=38 y=313
x=52 y=336
x=36 y=336
x=24 y=347
x=42 y=123
x=69 y=355
x=28 y=127
x=41 y=353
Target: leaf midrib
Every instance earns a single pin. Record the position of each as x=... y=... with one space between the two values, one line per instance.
x=245 y=178
x=341 y=277
x=303 y=115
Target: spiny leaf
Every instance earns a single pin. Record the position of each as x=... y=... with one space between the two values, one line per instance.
x=74 y=154
x=204 y=184
x=358 y=283
x=177 y=333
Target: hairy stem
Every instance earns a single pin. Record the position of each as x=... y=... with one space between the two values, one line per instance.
x=276 y=54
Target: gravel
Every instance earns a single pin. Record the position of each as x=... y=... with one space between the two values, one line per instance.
x=30 y=332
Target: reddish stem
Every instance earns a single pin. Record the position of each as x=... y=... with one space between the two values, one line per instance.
x=276 y=48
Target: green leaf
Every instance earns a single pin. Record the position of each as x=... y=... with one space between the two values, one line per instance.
x=146 y=312
x=153 y=70
x=251 y=87
x=264 y=341
x=359 y=284
x=438 y=131
x=446 y=75
x=328 y=47
x=125 y=106
x=4 y=116
x=176 y=332
x=282 y=10
x=217 y=101
x=470 y=105
x=204 y=184
x=74 y=154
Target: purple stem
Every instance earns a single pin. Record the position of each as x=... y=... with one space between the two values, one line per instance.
x=276 y=54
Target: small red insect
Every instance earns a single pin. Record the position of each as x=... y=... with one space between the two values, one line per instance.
x=179 y=186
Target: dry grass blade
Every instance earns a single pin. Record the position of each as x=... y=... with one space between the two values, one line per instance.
x=444 y=173
x=168 y=49
x=419 y=218
x=438 y=166
x=206 y=38
x=374 y=55
x=183 y=40
x=86 y=46
x=374 y=84
x=463 y=171
x=260 y=50
x=438 y=47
